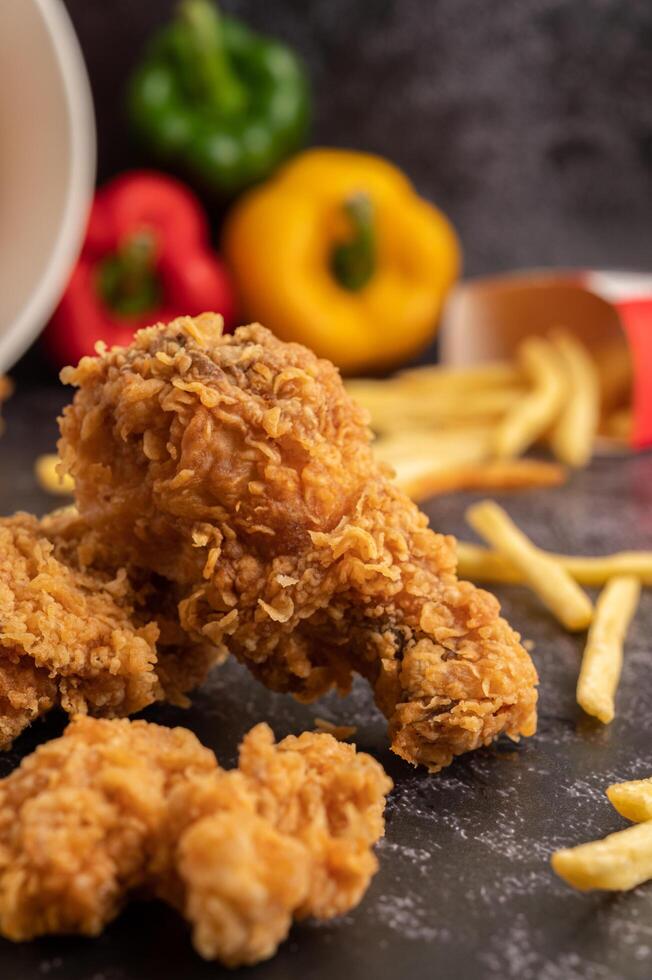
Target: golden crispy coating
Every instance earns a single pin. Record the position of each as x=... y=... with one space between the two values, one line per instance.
x=79 y=637
x=115 y=807
x=238 y=469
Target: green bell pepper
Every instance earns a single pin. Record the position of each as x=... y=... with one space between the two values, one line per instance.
x=217 y=100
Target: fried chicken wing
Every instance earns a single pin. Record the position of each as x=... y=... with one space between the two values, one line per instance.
x=83 y=638
x=117 y=807
x=238 y=470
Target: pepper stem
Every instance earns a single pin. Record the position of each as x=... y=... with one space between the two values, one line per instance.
x=127 y=281
x=220 y=85
x=353 y=262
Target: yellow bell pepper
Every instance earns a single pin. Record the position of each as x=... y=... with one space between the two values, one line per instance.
x=338 y=252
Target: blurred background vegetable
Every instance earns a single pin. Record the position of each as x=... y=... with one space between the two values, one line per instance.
x=219 y=101
x=146 y=258
x=338 y=252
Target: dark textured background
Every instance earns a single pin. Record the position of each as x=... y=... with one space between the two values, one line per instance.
x=528 y=121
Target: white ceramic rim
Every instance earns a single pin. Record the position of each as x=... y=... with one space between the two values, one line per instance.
x=81 y=182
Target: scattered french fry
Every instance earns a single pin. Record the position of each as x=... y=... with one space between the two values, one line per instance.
x=419 y=480
x=48 y=476
x=574 y=432
x=545 y=576
x=632 y=799
x=422 y=477
x=483 y=565
x=619 y=862
x=340 y=732
x=480 y=564
x=598 y=570
x=603 y=656
x=533 y=415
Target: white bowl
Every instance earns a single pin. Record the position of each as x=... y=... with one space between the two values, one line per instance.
x=47 y=165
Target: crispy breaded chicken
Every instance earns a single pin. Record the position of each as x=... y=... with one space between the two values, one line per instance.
x=78 y=637
x=115 y=807
x=238 y=469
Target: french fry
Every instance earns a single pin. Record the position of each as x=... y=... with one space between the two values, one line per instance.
x=632 y=799
x=545 y=576
x=433 y=377
x=483 y=565
x=422 y=477
x=480 y=564
x=573 y=433
x=340 y=732
x=48 y=477
x=445 y=447
x=619 y=862
x=511 y=474
x=421 y=460
x=533 y=415
x=394 y=408
x=603 y=656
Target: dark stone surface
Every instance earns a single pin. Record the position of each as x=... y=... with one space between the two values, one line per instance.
x=465 y=888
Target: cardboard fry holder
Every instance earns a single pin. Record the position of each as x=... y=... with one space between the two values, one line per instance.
x=611 y=312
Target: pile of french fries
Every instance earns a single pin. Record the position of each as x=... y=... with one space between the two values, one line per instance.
x=444 y=429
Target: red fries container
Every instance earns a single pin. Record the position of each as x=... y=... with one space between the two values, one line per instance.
x=485 y=319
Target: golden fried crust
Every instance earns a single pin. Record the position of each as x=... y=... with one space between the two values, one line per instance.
x=26 y=691
x=66 y=634
x=238 y=469
x=182 y=662
x=187 y=429
x=80 y=636
x=115 y=807
x=80 y=820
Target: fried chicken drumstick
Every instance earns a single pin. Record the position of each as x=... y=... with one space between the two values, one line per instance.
x=117 y=807
x=238 y=469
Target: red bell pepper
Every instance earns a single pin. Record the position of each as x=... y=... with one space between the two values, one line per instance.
x=146 y=258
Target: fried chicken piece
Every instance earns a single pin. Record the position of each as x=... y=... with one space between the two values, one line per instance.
x=238 y=469
x=182 y=663
x=75 y=636
x=117 y=807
